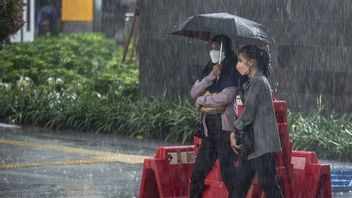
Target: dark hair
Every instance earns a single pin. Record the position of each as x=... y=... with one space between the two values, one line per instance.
x=226 y=42
x=260 y=55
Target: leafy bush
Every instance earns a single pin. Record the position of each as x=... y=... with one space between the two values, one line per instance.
x=329 y=136
x=77 y=82
x=88 y=59
x=153 y=118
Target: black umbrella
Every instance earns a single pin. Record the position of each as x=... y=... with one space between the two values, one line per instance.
x=206 y=26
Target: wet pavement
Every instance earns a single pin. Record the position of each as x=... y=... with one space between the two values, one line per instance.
x=44 y=163
x=39 y=163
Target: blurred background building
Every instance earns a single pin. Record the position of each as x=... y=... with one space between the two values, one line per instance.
x=110 y=17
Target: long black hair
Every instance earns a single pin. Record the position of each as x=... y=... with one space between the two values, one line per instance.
x=260 y=55
x=226 y=43
x=229 y=75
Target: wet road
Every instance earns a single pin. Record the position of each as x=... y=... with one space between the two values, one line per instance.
x=42 y=163
x=64 y=164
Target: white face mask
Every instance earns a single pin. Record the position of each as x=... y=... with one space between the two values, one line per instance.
x=242 y=69
x=215 y=55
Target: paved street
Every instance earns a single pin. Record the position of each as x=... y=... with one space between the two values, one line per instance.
x=43 y=163
x=64 y=164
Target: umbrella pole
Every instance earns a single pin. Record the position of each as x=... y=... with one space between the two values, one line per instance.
x=220 y=53
x=217 y=78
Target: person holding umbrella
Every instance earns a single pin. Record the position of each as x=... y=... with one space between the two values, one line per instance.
x=215 y=92
x=216 y=87
x=259 y=115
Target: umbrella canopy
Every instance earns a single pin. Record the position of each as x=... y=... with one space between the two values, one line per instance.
x=206 y=26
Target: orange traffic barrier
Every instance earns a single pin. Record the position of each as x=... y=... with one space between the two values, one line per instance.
x=299 y=173
x=168 y=173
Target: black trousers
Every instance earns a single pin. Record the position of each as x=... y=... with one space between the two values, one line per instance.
x=215 y=146
x=266 y=167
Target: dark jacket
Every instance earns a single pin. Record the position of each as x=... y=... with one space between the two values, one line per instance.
x=259 y=111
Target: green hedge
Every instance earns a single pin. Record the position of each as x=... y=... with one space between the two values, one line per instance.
x=77 y=82
x=152 y=118
x=89 y=61
x=330 y=136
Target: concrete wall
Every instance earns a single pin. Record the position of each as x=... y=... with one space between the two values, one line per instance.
x=313 y=49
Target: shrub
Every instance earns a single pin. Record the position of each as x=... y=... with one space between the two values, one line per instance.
x=77 y=82
x=152 y=118
x=330 y=136
x=88 y=59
